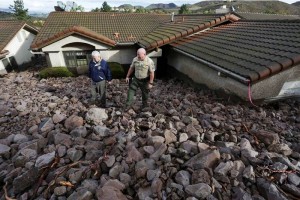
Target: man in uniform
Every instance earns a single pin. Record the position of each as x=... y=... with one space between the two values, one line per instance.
x=143 y=68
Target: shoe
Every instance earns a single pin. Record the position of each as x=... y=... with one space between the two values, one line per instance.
x=145 y=108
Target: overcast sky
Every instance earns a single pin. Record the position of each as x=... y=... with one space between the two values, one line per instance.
x=48 y=5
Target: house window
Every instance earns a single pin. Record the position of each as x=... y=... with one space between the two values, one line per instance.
x=75 y=59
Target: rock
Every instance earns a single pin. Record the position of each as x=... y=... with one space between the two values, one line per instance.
x=79 y=132
x=294 y=179
x=268 y=190
x=63 y=139
x=90 y=185
x=280 y=148
x=125 y=179
x=73 y=122
x=170 y=137
x=26 y=180
x=133 y=155
x=20 y=138
x=81 y=195
x=205 y=159
x=199 y=190
x=237 y=169
x=96 y=116
x=183 y=178
x=201 y=176
x=110 y=161
x=183 y=137
x=46 y=126
x=102 y=131
x=144 y=193
x=291 y=189
x=160 y=151
x=249 y=173
x=74 y=154
x=221 y=171
x=240 y=194
x=57 y=118
x=59 y=191
x=44 y=160
x=267 y=137
x=4 y=149
x=109 y=193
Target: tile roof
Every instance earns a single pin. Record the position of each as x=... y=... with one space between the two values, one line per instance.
x=182 y=26
x=264 y=16
x=148 y=30
x=8 y=29
x=253 y=50
x=117 y=27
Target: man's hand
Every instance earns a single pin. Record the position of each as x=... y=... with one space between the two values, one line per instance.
x=127 y=79
x=109 y=82
x=150 y=85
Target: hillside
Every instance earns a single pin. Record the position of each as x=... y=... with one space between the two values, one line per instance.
x=5 y=15
x=162 y=6
x=270 y=7
x=296 y=3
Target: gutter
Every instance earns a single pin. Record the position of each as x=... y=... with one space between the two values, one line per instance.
x=216 y=67
x=125 y=43
x=38 y=52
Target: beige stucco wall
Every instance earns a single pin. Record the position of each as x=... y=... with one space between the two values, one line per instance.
x=202 y=74
x=19 y=46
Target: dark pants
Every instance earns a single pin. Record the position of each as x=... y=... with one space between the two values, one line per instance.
x=99 y=88
x=134 y=85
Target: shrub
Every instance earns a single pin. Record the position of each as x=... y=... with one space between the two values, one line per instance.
x=116 y=70
x=55 y=72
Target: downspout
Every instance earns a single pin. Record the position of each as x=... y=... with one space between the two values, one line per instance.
x=216 y=67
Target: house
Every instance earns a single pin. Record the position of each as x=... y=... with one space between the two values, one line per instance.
x=250 y=58
x=68 y=38
x=15 y=40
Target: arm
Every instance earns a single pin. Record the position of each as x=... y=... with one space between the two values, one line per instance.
x=108 y=73
x=90 y=70
x=151 y=74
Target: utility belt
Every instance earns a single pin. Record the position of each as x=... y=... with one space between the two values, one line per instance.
x=143 y=79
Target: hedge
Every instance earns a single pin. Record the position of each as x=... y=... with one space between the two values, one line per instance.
x=55 y=72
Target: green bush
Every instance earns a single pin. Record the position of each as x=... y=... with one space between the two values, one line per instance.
x=55 y=72
x=116 y=70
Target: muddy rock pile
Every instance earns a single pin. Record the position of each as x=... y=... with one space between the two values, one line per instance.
x=188 y=145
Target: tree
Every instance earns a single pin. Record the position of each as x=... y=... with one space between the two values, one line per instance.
x=184 y=9
x=105 y=7
x=19 y=11
x=77 y=9
x=96 y=9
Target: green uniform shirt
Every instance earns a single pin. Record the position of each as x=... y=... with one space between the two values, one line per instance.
x=142 y=67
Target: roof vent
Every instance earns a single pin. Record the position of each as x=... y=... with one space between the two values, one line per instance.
x=116 y=35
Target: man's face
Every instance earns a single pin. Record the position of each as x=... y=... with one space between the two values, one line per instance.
x=96 y=58
x=141 y=55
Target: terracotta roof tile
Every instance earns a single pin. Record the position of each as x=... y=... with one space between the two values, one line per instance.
x=264 y=16
x=254 y=50
x=131 y=27
x=183 y=25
